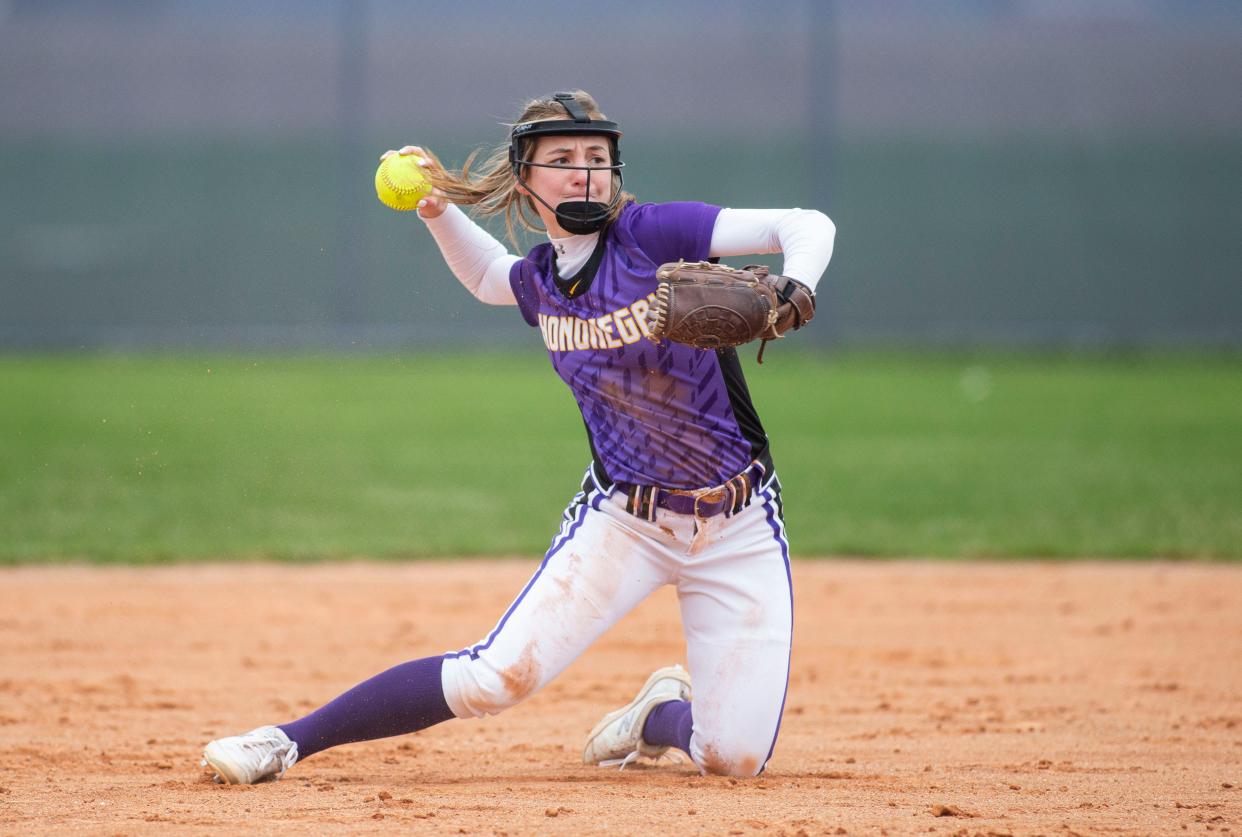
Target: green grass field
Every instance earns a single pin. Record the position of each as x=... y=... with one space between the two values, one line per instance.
x=171 y=457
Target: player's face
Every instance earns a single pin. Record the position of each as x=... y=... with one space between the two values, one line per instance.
x=556 y=185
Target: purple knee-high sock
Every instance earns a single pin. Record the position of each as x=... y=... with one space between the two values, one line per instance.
x=669 y=725
x=406 y=698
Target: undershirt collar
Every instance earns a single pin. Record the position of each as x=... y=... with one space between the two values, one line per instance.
x=572 y=252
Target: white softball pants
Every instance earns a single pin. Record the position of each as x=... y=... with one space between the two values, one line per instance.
x=736 y=608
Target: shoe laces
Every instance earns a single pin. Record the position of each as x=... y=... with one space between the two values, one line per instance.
x=272 y=748
x=630 y=759
x=621 y=764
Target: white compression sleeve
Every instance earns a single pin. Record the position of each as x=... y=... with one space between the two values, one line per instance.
x=480 y=262
x=804 y=236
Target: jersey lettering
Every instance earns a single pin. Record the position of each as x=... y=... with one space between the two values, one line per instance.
x=640 y=307
x=629 y=332
x=545 y=325
x=622 y=327
x=605 y=327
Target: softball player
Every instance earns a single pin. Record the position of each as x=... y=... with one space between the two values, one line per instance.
x=681 y=488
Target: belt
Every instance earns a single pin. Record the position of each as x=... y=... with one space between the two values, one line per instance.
x=730 y=497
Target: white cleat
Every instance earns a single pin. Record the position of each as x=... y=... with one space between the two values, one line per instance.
x=618 y=738
x=251 y=757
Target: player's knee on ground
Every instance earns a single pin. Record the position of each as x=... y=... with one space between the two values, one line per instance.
x=474 y=688
x=721 y=757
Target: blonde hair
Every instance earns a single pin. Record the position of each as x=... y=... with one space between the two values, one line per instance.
x=491 y=188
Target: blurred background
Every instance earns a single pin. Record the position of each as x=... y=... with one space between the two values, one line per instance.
x=1055 y=177
x=1003 y=172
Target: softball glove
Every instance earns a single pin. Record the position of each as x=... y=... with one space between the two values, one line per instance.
x=712 y=306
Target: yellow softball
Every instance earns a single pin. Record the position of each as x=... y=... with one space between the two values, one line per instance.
x=400 y=183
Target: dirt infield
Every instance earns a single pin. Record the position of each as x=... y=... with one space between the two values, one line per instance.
x=925 y=698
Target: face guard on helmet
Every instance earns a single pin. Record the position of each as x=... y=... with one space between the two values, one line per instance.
x=577 y=217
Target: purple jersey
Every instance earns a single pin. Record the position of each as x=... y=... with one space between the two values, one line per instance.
x=656 y=414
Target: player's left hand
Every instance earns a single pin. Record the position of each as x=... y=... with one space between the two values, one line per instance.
x=796 y=308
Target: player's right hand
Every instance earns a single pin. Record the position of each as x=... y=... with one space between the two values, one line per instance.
x=434 y=204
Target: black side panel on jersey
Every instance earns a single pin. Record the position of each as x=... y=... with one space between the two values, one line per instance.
x=597 y=466
x=743 y=408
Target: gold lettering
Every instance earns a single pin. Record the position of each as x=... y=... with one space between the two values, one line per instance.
x=582 y=332
x=628 y=331
x=639 y=308
x=549 y=332
x=567 y=334
x=605 y=327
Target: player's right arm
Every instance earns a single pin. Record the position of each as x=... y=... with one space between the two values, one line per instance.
x=479 y=261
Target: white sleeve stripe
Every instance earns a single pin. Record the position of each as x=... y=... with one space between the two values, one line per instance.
x=804 y=236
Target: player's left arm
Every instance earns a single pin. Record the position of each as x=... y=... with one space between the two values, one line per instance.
x=805 y=238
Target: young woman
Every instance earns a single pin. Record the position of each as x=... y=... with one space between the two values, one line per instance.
x=681 y=488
